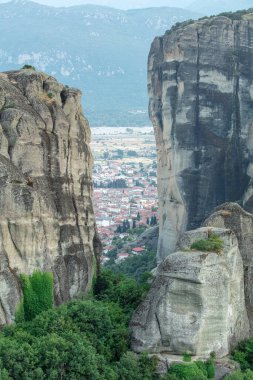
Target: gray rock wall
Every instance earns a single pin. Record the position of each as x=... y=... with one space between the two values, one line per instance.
x=233 y=217
x=196 y=302
x=46 y=214
x=200 y=80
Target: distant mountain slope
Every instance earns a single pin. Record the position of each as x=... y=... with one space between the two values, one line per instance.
x=101 y=50
x=209 y=7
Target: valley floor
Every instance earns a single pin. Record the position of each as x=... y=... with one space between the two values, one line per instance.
x=125 y=185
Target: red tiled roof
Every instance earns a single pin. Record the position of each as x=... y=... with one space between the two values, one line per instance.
x=138 y=249
x=122 y=254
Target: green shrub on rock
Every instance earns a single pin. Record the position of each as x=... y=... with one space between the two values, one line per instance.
x=187 y=357
x=243 y=354
x=187 y=371
x=37 y=294
x=28 y=67
x=212 y=244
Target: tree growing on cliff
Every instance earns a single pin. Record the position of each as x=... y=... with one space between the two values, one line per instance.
x=28 y=67
x=37 y=293
x=212 y=244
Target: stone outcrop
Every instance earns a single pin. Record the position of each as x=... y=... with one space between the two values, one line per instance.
x=233 y=217
x=201 y=105
x=46 y=219
x=196 y=302
x=148 y=239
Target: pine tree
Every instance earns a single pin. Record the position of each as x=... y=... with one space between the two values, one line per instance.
x=153 y=220
x=119 y=229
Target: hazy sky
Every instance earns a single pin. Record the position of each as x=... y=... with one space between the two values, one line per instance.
x=202 y=5
x=122 y=4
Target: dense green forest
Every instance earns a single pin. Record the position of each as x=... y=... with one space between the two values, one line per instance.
x=89 y=338
x=83 y=339
x=137 y=267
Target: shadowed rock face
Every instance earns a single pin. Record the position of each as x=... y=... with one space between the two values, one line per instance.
x=201 y=106
x=233 y=217
x=46 y=219
x=196 y=302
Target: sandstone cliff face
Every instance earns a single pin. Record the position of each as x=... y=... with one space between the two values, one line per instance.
x=46 y=219
x=196 y=302
x=233 y=217
x=201 y=106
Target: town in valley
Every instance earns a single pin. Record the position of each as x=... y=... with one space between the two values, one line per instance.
x=125 y=186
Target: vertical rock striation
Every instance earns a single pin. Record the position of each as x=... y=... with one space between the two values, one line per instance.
x=46 y=219
x=196 y=302
x=201 y=105
x=233 y=217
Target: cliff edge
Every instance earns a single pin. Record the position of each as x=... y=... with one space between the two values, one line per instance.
x=46 y=220
x=200 y=80
x=196 y=303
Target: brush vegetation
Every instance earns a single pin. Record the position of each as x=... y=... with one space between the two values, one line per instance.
x=37 y=294
x=239 y=15
x=84 y=339
x=212 y=244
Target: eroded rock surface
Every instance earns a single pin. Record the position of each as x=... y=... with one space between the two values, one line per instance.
x=201 y=106
x=196 y=302
x=233 y=217
x=46 y=219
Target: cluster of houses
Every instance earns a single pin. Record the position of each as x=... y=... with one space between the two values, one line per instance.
x=132 y=173
x=114 y=205
x=125 y=185
x=121 y=256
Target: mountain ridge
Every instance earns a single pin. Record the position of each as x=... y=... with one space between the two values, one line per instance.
x=100 y=50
